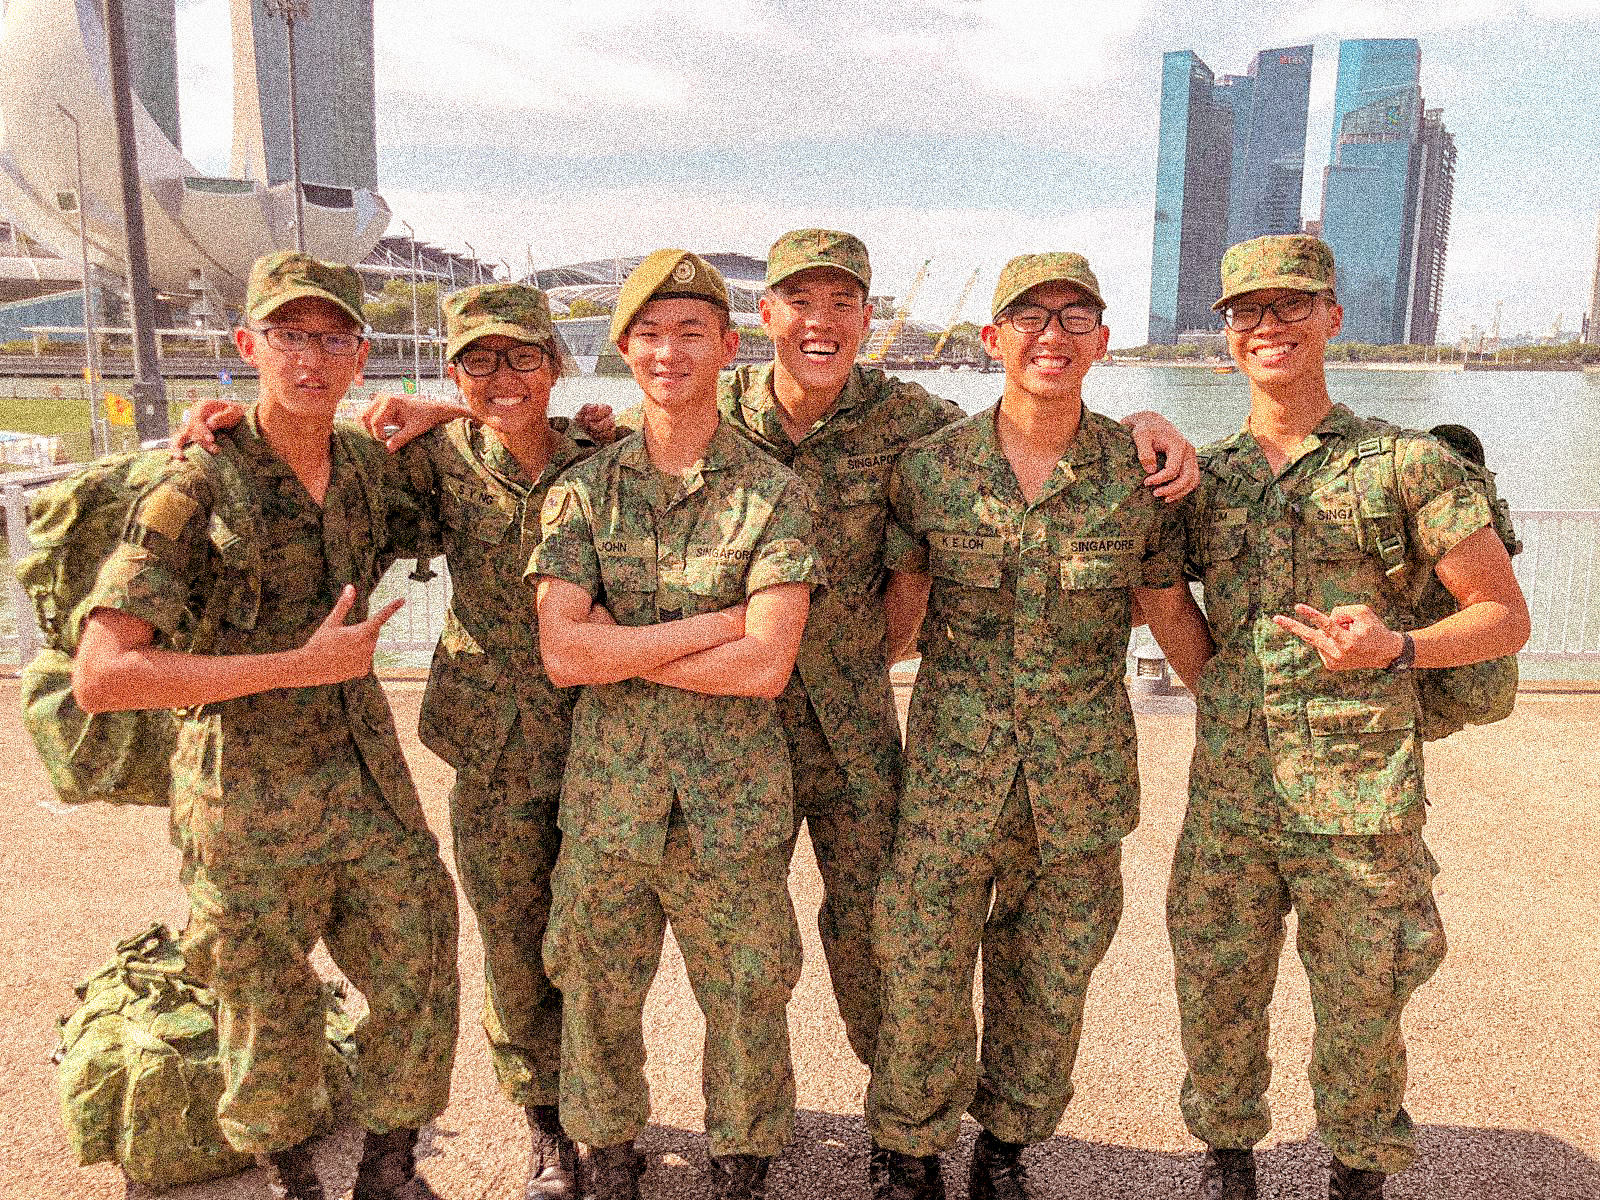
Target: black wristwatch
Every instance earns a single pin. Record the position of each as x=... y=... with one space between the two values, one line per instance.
x=1407 y=656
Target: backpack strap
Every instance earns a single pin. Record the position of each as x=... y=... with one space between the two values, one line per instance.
x=1376 y=478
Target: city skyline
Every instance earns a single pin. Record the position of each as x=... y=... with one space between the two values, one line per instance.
x=1229 y=167
x=1387 y=192
x=954 y=130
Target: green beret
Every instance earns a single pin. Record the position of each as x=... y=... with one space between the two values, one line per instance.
x=1288 y=260
x=513 y=309
x=287 y=275
x=802 y=249
x=667 y=275
x=1030 y=270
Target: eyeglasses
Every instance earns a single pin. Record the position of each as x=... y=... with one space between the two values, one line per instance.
x=1291 y=309
x=1035 y=318
x=289 y=340
x=479 y=361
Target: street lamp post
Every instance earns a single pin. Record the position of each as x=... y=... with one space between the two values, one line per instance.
x=416 y=345
x=473 y=254
x=149 y=392
x=91 y=351
x=290 y=11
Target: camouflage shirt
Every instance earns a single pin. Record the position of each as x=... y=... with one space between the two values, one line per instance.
x=279 y=773
x=1281 y=741
x=845 y=459
x=734 y=524
x=489 y=706
x=1026 y=637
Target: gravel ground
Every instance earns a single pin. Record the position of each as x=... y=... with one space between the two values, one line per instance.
x=1505 y=1071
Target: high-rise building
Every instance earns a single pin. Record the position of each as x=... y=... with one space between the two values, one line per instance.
x=334 y=93
x=151 y=29
x=1229 y=165
x=1386 y=194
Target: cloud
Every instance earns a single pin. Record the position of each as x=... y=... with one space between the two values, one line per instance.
x=593 y=128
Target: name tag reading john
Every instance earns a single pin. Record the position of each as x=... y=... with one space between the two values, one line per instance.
x=625 y=547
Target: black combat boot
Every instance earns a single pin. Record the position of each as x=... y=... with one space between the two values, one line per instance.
x=290 y=1173
x=1352 y=1183
x=997 y=1170
x=552 y=1158
x=896 y=1176
x=1228 y=1175
x=388 y=1169
x=612 y=1172
x=740 y=1176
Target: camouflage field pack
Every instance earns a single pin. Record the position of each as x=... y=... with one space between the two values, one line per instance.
x=1451 y=697
x=141 y=1073
x=74 y=524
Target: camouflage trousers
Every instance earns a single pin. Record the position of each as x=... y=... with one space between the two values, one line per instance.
x=741 y=950
x=1368 y=934
x=388 y=919
x=852 y=829
x=1043 y=930
x=505 y=844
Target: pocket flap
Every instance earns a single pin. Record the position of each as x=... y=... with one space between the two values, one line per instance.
x=1101 y=571
x=1329 y=716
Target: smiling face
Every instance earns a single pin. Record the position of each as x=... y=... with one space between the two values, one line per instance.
x=309 y=382
x=816 y=319
x=1277 y=353
x=1047 y=366
x=512 y=403
x=675 y=348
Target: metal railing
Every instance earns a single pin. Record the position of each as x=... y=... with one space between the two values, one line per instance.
x=1559 y=569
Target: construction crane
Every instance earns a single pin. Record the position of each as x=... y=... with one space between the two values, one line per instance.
x=955 y=316
x=881 y=344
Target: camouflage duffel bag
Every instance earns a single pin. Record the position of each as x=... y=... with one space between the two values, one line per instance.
x=141 y=1073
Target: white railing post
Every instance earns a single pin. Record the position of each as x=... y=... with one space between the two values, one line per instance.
x=29 y=640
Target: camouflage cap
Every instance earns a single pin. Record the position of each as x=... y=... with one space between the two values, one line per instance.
x=286 y=275
x=1027 y=271
x=802 y=249
x=667 y=275
x=1287 y=260
x=512 y=309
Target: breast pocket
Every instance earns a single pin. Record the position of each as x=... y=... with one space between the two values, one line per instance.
x=473 y=512
x=969 y=559
x=627 y=569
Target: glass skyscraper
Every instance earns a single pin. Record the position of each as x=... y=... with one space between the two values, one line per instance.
x=1229 y=165
x=1387 y=194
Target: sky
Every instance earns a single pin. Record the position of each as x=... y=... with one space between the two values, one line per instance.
x=956 y=131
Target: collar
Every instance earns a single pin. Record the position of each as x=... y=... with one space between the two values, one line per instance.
x=633 y=455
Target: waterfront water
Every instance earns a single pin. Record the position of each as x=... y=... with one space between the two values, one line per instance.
x=1541 y=430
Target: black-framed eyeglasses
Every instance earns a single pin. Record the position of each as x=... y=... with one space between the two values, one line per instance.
x=288 y=340
x=1035 y=318
x=479 y=361
x=1290 y=309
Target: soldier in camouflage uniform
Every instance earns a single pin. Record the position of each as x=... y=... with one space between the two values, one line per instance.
x=1306 y=790
x=840 y=427
x=489 y=709
x=1028 y=532
x=675 y=572
x=291 y=802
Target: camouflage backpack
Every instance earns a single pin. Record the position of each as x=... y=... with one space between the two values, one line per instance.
x=74 y=524
x=141 y=1073
x=1451 y=698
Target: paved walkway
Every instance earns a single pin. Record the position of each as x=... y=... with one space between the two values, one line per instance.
x=1504 y=1060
